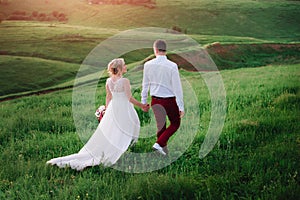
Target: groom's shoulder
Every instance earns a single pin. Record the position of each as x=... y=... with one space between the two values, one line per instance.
x=172 y=63
x=150 y=61
x=148 y=64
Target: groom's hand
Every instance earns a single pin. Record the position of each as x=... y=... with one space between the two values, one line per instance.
x=181 y=114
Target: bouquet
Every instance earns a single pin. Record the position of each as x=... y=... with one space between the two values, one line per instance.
x=100 y=112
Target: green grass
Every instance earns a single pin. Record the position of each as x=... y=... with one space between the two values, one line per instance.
x=25 y=74
x=56 y=52
x=276 y=20
x=265 y=20
x=72 y=43
x=227 y=22
x=256 y=156
x=55 y=42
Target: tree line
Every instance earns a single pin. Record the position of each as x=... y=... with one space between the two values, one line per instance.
x=134 y=2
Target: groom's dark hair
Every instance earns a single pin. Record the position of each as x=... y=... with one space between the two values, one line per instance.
x=161 y=45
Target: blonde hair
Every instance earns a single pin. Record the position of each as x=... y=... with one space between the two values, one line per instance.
x=115 y=66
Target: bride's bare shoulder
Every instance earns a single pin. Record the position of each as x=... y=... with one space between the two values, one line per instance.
x=126 y=80
x=108 y=79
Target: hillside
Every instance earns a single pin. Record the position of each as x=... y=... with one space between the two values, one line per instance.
x=259 y=19
x=57 y=51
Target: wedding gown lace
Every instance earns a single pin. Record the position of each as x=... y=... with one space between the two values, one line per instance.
x=117 y=129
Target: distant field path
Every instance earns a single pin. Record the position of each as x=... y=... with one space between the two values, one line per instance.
x=41 y=92
x=226 y=56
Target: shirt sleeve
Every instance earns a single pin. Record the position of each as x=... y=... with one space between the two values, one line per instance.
x=177 y=88
x=145 y=86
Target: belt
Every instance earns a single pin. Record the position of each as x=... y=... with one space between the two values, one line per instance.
x=155 y=97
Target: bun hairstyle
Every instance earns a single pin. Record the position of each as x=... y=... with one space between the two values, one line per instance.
x=115 y=66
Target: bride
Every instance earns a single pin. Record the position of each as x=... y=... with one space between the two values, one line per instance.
x=118 y=128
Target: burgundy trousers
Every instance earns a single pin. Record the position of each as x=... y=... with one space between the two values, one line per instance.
x=163 y=107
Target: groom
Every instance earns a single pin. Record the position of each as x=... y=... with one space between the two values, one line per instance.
x=161 y=77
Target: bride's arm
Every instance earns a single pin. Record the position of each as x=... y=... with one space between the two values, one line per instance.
x=129 y=95
x=108 y=96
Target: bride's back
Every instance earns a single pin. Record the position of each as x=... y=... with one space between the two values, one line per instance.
x=116 y=85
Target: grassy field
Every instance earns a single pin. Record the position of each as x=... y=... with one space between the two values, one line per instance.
x=255 y=43
x=25 y=69
x=242 y=23
x=256 y=156
x=57 y=52
x=263 y=18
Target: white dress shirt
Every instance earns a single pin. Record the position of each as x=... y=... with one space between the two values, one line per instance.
x=161 y=76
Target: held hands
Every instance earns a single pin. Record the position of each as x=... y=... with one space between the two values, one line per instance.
x=145 y=107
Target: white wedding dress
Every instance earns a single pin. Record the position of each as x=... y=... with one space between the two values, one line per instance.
x=117 y=129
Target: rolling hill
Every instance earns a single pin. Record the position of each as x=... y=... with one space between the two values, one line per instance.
x=66 y=31
x=259 y=19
